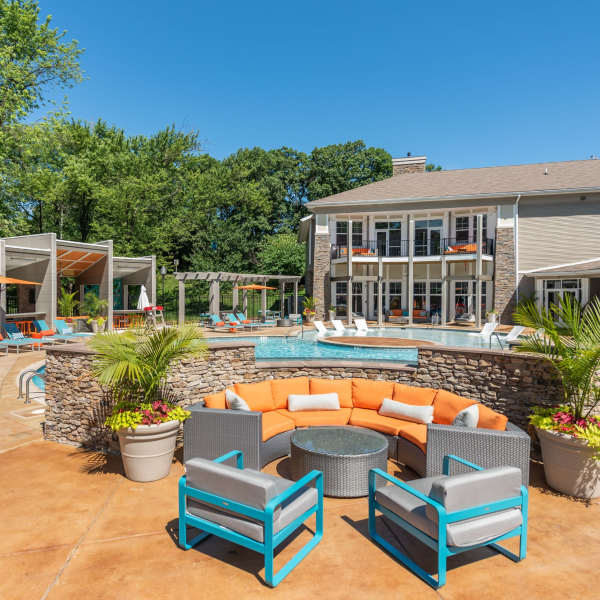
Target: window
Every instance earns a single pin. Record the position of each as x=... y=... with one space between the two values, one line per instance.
x=466 y=229
x=462 y=229
x=420 y=295
x=428 y=237
x=341 y=233
x=435 y=297
x=389 y=238
x=395 y=300
x=555 y=289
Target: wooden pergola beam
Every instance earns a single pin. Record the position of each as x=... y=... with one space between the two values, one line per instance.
x=222 y=276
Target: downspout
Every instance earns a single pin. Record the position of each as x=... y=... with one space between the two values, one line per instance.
x=516 y=229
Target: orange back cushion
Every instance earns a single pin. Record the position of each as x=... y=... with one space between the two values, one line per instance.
x=215 y=400
x=367 y=393
x=258 y=396
x=341 y=387
x=396 y=312
x=447 y=405
x=282 y=388
x=417 y=396
x=490 y=419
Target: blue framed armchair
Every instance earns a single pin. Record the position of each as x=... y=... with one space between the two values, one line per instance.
x=452 y=513
x=250 y=508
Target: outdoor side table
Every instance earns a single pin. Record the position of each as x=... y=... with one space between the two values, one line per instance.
x=284 y=323
x=345 y=455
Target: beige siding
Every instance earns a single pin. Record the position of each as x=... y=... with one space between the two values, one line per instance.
x=556 y=231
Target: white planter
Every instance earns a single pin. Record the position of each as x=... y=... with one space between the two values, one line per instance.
x=569 y=464
x=331 y=315
x=147 y=450
x=492 y=318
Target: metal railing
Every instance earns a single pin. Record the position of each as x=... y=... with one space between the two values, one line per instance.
x=446 y=246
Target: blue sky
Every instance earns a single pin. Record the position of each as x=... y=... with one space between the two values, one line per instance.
x=467 y=83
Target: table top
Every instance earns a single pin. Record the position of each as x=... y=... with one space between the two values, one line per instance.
x=339 y=441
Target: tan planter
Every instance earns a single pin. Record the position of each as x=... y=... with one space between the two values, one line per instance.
x=569 y=464
x=147 y=450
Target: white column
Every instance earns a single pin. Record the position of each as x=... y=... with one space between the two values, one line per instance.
x=245 y=302
x=295 y=307
x=380 y=291
x=585 y=290
x=214 y=297
x=181 y=303
x=444 y=308
x=478 y=267
x=349 y=290
x=125 y=296
x=235 y=296
x=411 y=270
x=282 y=298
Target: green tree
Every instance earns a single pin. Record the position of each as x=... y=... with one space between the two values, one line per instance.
x=282 y=254
x=34 y=58
x=429 y=167
x=340 y=167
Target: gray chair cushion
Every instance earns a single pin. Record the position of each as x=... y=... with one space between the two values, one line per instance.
x=248 y=487
x=467 y=490
x=463 y=533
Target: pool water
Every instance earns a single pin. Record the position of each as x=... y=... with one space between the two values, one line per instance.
x=307 y=348
x=38 y=380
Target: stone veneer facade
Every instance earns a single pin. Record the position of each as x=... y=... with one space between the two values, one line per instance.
x=320 y=287
x=505 y=274
x=510 y=383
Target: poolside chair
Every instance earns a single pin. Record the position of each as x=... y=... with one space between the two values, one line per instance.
x=49 y=334
x=452 y=513
x=488 y=329
x=231 y=322
x=243 y=323
x=321 y=329
x=361 y=326
x=20 y=343
x=338 y=326
x=16 y=335
x=296 y=318
x=250 y=508
x=511 y=337
x=64 y=329
x=215 y=322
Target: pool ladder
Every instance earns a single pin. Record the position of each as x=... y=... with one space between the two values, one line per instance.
x=30 y=373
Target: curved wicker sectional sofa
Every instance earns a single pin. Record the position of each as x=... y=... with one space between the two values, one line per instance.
x=264 y=432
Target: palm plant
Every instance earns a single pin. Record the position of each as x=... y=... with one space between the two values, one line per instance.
x=135 y=365
x=571 y=343
x=67 y=303
x=94 y=306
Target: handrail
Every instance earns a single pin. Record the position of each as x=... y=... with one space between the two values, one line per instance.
x=31 y=376
x=21 y=380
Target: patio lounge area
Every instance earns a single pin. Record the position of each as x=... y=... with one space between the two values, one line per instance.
x=86 y=537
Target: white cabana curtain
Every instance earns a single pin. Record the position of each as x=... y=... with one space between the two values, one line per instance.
x=143 y=301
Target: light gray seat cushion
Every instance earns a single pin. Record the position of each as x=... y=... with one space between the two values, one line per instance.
x=246 y=486
x=459 y=492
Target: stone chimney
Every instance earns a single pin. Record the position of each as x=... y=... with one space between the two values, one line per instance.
x=408 y=164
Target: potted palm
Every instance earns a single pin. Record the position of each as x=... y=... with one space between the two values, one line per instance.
x=569 y=434
x=134 y=366
x=309 y=309
x=95 y=309
x=67 y=303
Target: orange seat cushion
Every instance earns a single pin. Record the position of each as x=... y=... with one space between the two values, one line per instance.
x=311 y=418
x=216 y=400
x=417 y=396
x=273 y=423
x=415 y=433
x=490 y=419
x=341 y=387
x=447 y=405
x=282 y=388
x=367 y=393
x=258 y=396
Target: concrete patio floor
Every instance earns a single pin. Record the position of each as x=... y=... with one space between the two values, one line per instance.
x=74 y=527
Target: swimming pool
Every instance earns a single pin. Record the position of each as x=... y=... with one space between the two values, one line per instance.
x=291 y=348
x=39 y=381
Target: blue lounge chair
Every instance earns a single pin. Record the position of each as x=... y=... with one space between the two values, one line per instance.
x=64 y=329
x=41 y=325
x=232 y=321
x=248 y=324
x=250 y=508
x=16 y=344
x=215 y=322
x=16 y=335
x=452 y=513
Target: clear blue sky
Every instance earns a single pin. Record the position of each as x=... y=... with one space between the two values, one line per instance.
x=466 y=83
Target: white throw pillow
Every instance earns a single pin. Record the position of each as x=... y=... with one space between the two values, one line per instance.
x=407 y=412
x=297 y=402
x=235 y=402
x=467 y=417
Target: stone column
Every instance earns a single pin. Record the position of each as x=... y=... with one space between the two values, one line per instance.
x=125 y=296
x=321 y=283
x=214 y=297
x=505 y=269
x=235 y=297
x=181 y=303
x=282 y=298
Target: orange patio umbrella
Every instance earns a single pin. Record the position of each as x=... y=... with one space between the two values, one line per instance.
x=254 y=286
x=10 y=280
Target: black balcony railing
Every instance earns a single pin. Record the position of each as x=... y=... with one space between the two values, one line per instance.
x=431 y=247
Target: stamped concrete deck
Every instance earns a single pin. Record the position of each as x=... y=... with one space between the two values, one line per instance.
x=74 y=527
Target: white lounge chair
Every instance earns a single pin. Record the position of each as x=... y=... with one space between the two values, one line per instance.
x=338 y=326
x=511 y=336
x=321 y=329
x=361 y=326
x=488 y=329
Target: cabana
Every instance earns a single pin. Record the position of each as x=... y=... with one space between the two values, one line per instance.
x=45 y=259
x=215 y=279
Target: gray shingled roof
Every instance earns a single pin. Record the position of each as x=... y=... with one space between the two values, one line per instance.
x=561 y=177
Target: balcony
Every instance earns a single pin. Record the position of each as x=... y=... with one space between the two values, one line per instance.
x=445 y=246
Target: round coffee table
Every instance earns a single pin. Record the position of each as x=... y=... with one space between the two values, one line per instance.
x=344 y=455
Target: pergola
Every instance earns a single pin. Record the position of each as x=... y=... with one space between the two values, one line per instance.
x=214 y=293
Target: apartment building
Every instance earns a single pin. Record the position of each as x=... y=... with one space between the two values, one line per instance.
x=437 y=246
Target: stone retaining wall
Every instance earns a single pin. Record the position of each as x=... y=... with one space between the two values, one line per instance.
x=509 y=383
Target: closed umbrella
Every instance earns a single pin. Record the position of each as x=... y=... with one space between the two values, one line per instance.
x=143 y=301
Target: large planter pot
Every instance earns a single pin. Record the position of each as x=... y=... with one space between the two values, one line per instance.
x=331 y=315
x=147 y=450
x=569 y=464
x=309 y=318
